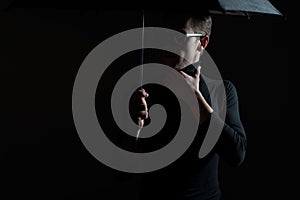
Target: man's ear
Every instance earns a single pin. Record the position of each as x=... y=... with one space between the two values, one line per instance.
x=203 y=43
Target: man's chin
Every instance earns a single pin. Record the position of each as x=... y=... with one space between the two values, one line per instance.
x=175 y=62
x=181 y=65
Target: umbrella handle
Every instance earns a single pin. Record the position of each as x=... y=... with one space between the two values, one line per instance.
x=205 y=104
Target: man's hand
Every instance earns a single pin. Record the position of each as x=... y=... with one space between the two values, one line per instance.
x=193 y=82
x=138 y=106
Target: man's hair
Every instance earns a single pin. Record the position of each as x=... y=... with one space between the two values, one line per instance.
x=201 y=19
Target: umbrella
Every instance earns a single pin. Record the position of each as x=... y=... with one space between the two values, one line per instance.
x=243 y=7
x=228 y=7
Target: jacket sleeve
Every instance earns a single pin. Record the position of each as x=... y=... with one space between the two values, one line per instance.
x=232 y=142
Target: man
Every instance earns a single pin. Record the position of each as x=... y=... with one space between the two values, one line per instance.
x=190 y=177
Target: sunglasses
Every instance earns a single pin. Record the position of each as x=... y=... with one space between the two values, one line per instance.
x=181 y=40
x=201 y=35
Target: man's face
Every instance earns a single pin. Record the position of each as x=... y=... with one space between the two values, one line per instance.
x=188 y=48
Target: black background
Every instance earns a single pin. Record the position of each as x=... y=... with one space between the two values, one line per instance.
x=43 y=46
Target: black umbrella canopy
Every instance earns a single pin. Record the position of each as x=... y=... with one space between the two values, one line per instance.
x=243 y=7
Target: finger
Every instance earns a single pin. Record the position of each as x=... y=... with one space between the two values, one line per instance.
x=184 y=74
x=145 y=94
x=142 y=93
x=138 y=100
x=198 y=71
x=139 y=96
x=140 y=107
x=139 y=110
x=142 y=111
x=143 y=114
